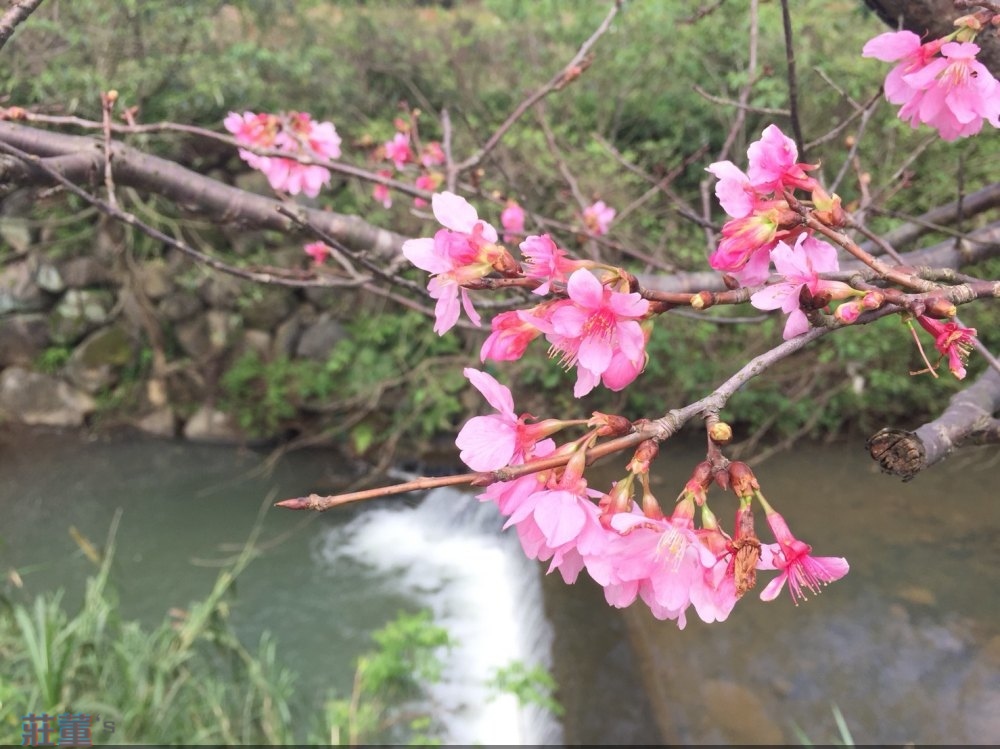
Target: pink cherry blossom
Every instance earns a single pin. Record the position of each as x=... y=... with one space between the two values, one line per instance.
x=546 y=261
x=512 y=220
x=509 y=339
x=951 y=340
x=590 y=327
x=803 y=572
x=318 y=251
x=494 y=441
x=294 y=132
x=773 y=163
x=432 y=154
x=427 y=182
x=598 y=217
x=465 y=250
x=398 y=150
x=735 y=193
x=956 y=93
x=939 y=83
x=800 y=266
x=904 y=46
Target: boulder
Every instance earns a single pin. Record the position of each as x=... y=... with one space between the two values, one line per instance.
x=79 y=312
x=267 y=307
x=258 y=341
x=192 y=335
x=96 y=363
x=208 y=424
x=18 y=290
x=221 y=291
x=180 y=305
x=38 y=399
x=49 y=279
x=222 y=328
x=160 y=423
x=319 y=339
x=80 y=272
x=155 y=279
x=22 y=339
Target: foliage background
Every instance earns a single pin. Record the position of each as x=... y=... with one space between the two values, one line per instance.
x=356 y=62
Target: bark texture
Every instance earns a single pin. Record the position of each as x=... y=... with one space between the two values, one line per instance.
x=968 y=420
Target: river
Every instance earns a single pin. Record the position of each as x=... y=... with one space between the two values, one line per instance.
x=907 y=646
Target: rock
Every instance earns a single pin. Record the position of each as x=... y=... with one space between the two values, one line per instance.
x=319 y=339
x=38 y=399
x=15 y=230
x=220 y=291
x=322 y=297
x=180 y=305
x=222 y=327
x=160 y=423
x=22 y=339
x=18 y=290
x=211 y=425
x=78 y=313
x=155 y=279
x=96 y=363
x=286 y=337
x=258 y=341
x=49 y=279
x=80 y=272
x=267 y=307
x=192 y=335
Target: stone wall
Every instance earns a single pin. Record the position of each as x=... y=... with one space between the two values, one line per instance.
x=98 y=335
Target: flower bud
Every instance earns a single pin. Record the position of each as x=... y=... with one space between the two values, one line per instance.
x=742 y=479
x=848 y=312
x=940 y=308
x=644 y=454
x=609 y=425
x=873 y=300
x=720 y=433
x=702 y=300
x=651 y=507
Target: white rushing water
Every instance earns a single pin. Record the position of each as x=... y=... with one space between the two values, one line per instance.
x=449 y=555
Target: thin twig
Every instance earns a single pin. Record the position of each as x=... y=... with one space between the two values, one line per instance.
x=570 y=72
x=793 y=88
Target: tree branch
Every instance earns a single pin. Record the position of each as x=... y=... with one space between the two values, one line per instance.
x=968 y=420
x=16 y=14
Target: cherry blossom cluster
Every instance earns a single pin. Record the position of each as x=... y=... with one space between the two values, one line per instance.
x=405 y=156
x=631 y=548
x=940 y=82
x=594 y=326
x=294 y=132
x=760 y=214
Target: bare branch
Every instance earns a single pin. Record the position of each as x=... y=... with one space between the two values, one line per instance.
x=17 y=13
x=967 y=420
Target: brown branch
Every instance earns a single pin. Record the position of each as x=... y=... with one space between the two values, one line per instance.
x=793 y=86
x=659 y=430
x=17 y=13
x=967 y=420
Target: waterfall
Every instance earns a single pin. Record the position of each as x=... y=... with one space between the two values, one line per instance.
x=448 y=554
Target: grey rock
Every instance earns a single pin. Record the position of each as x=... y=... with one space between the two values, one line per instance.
x=180 y=305
x=80 y=272
x=267 y=307
x=192 y=335
x=49 y=279
x=220 y=291
x=38 y=399
x=286 y=337
x=22 y=339
x=155 y=279
x=258 y=341
x=222 y=328
x=97 y=362
x=320 y=338
x=18 y=290
x=208 y=424
x=79 y=312
x=161 y=423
